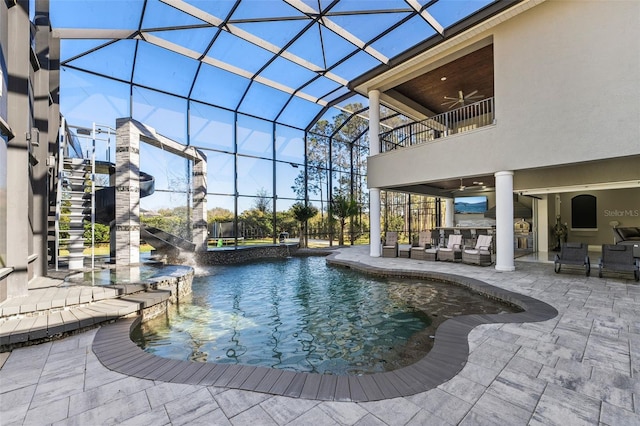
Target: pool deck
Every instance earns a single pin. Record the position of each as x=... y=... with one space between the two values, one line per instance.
x=579 y=367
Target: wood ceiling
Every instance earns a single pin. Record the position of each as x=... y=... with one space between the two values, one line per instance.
x=450 y=187
x=468 y=73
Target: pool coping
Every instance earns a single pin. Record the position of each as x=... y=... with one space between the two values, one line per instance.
x=114 y=348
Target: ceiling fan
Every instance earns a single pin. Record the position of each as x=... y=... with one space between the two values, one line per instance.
x=475 y=187
x=461 y=99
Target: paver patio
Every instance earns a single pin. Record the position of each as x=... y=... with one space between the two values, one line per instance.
x=580 y=367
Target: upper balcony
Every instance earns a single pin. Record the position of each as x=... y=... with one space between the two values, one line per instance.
x=465 y=118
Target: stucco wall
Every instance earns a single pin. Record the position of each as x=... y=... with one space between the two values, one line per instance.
x=567 y=90
x=620 y=205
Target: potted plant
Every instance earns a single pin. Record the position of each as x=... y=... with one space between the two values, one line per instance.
x=560 y=233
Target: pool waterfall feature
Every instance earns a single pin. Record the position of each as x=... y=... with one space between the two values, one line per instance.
x=115 y=350
x=126 y=243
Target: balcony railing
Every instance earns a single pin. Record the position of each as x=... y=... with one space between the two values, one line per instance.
x=468 y=117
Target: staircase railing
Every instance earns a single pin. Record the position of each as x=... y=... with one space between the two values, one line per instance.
x=468 y=117
x=69 y=147
x=62 y=135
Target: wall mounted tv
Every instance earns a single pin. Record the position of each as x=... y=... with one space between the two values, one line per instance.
x=469 y=205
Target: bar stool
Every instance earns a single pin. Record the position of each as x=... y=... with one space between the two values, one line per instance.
x=435 y=237
x=467 y=238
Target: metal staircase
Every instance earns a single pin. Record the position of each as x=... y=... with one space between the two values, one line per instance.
x=74 y=200
x=75 y=208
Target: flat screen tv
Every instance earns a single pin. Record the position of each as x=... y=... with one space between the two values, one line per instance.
x=469 y=205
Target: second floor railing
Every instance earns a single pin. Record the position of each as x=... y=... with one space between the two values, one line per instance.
x=468 y=117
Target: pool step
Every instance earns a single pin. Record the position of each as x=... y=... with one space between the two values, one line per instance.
x=19 y=330
x=50 y=310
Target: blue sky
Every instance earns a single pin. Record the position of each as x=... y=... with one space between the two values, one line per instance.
x=187 y=73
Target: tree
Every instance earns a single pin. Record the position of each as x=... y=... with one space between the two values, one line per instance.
x=343 y=208
x=303 y=213
x=263 y=201
x=257 y=224
x=286 y=222
x=219 y=214
x=101 y=233
x=316 y=178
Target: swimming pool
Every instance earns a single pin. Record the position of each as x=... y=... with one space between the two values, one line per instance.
x=301 y=314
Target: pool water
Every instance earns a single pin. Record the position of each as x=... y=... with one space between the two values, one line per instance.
x=111 y=276
x=303 y=315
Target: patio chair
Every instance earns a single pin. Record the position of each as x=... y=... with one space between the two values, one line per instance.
x=453 y=251
x=424 y=242
x=618 y=258
x=573 y=254
x=480 y=254
x=446 y=233
x=390 y=245
x=404 y=250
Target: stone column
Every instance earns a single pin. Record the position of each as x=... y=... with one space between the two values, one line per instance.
x=504 y=221
x=375 y=249
x=127 y=219
x=199 y=210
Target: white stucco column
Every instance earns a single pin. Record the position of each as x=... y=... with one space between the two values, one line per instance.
x=449 y=210
x=374 y=122
x=541 y=223
x=504 y=221
x=375 y=250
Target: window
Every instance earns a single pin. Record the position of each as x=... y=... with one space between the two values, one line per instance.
x=583 y=212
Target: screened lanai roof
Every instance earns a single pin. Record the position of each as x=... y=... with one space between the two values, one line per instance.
x=282 y=60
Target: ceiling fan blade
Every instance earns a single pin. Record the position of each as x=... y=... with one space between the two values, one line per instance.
x=451 y=99
x=469 y=95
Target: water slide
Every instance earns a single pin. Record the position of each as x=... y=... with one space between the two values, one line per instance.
x=160 y=240
x=164 y=241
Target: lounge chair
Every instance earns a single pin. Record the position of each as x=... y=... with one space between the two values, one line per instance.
x=618 y=258
x=424 y=242
x=453 y=251
x=573 y=254
x=390 y=245
x=480 y=254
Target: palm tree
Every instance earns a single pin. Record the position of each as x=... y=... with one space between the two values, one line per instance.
x=303 y=213
x=343 y=208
